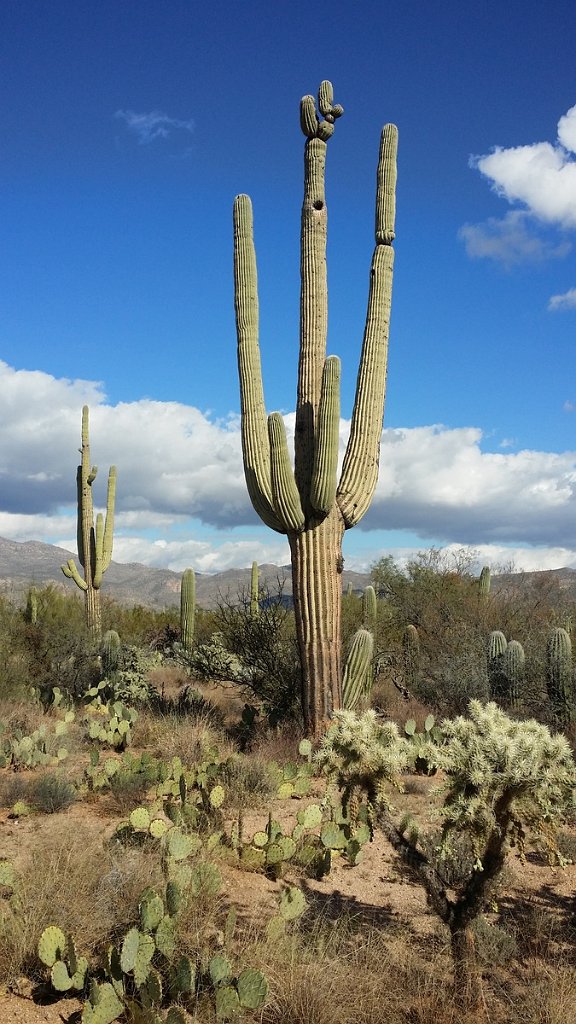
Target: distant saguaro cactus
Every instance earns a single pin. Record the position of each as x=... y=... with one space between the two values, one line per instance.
x=308 y=503
x=369 y=608
x=358 y=675
x=411 y=654
x=513 y=664
x=484 y=583
x=497 y=681
x=254 y=591
x=31 y=613
x=187 y=608
x=559 y=674
x=94 y=541
x=110 y=652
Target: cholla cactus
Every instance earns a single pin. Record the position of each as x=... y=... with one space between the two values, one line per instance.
x=503 y=777
x=363 y=755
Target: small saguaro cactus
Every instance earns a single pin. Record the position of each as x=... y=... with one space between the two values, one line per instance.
x=254 y=591
x=513 y=665
x=187 y=608
x=358 y=674
x=484 y=583
x=110 y=652
x=497 y=682
x=369 y=608
x=31 y=613
x=559 y=674
x=94 y=541
x=411 y=654
x=309 y=503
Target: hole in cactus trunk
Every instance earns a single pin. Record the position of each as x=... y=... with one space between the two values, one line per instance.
x=318 y=205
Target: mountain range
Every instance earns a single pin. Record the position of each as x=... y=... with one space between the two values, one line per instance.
x=32 y=562
x=27 y=563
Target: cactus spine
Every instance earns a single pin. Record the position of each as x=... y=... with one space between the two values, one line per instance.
x=559 y=678
x=308 y=503
x=254 y=591
x=187 y=608
x=94 y=541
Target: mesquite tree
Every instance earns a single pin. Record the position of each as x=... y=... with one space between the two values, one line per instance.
x=94 y=541
x=309 y=503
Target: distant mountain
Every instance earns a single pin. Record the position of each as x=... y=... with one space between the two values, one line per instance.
x=31 y=562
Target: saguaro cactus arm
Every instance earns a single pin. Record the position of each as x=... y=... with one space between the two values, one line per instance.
x=70 y=570
x=323 y=483
x=361 y=461
x=255 y=445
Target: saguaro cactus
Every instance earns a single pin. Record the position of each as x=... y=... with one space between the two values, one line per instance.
x=187 y=608
x=559 y=674
x=308 y=503
x=94 y=542
x=254 y=591
x=484 y=583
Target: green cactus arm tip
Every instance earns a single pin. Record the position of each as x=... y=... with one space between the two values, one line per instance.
x=308 y=119
x=386 y=185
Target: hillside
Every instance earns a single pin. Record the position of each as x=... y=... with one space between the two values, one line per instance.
x=32 y=562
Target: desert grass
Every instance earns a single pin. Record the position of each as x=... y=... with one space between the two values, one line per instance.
x=69 y=877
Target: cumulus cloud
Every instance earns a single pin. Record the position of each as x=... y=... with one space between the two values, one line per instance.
x=510 y=241
x=542 y=177
x=439 y=483
x=561 y=302
x=153 y=125
x=178 y=469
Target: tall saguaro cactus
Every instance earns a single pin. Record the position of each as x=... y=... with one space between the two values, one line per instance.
x=187 y=608
x=309 y=503
x=94 y=541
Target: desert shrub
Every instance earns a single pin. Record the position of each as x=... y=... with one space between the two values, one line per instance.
x=267 y=662
x=52 y=792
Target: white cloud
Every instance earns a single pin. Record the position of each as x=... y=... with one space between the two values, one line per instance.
x=509 y=241
x=179 y=469
x=153 y=125
x=565 y=301
x=542 y=177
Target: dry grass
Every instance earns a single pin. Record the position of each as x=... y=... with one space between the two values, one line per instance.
x=169 y=736
x=70 y=879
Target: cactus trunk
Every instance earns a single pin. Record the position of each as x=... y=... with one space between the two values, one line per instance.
x=317 y=590
x=308 y=503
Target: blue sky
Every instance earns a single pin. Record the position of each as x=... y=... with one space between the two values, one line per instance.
x=127 y=130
